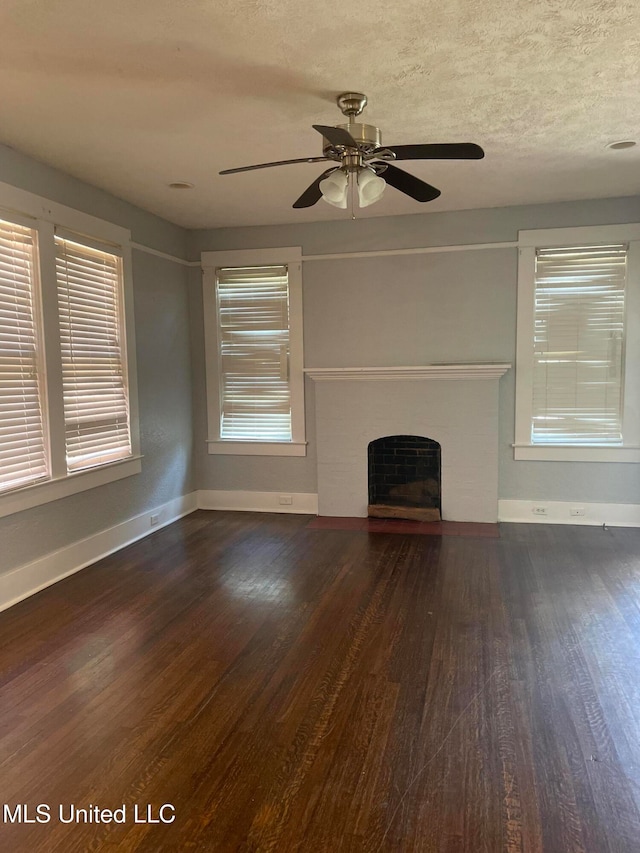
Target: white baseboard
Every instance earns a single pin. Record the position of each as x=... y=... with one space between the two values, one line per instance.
x=32 y=577
x=559 y=512
x=301 y=502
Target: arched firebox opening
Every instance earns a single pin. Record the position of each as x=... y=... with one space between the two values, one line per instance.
x=404 y=478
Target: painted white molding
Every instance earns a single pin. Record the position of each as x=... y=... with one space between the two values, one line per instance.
x=16 y=200
x=427 y=371
x=52 y=490
x=302 y=503
x=559 y=512
x=418 y=250
x=30 y=578
x=257 y=448
x=576 y=453
x=380 y=253
x=140 y=247
x=580 y=235
x=25 y=203
x=336 y=256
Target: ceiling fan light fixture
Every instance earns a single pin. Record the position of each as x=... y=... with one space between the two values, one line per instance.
x=370 y=187
x=334 y=189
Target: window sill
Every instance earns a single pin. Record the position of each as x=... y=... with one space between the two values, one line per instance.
x=576 y=453
x=257 y=448
x=52 y=490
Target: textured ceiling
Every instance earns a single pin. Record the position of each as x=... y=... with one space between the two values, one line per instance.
x=130 y=95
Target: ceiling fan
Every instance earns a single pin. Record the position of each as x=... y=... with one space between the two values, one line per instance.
x=358 y=151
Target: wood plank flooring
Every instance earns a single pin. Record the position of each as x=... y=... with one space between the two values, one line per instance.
x=292 y=689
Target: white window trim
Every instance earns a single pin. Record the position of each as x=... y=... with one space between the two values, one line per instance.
x=53 y=489
x=292 y=257
x=44 y=216
x=528 y=241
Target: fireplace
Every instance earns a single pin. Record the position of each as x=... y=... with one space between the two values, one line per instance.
x=404 y=478
x=455 y=405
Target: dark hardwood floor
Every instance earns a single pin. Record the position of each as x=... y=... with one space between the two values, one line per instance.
x=294 y=689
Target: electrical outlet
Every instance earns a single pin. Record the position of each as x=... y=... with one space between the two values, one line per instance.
x=576 y=510
x=285 y=500
x=154 y=519
x=539 y=510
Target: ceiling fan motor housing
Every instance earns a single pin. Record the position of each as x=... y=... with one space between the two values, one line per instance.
x=367 y=136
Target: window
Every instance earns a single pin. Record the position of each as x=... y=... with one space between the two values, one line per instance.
x=578 y=345
x=68 y=414
x=94 y=382
x=253 y=338
x=23 y=451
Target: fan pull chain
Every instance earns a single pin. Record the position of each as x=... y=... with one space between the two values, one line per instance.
x=352 y=193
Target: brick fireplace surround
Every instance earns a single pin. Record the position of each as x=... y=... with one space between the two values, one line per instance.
x=454 y=404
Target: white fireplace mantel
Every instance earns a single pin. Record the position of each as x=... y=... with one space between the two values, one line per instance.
x=427 y=371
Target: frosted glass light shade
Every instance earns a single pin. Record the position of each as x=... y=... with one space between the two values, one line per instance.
x=334 y=189
x=370 y=187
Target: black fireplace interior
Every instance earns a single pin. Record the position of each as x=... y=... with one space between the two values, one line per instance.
x=404 y=470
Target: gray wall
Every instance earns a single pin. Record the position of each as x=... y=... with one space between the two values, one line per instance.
x=412 y=309
x=384 y=311
x=164 y=377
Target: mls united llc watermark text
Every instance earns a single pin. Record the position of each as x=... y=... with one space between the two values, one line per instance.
x=70 y=813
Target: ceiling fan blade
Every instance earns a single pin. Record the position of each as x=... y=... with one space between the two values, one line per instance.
x=312 y=194
x=267 y=165
x=409 y=184
x=336 y=136
x=443 y=151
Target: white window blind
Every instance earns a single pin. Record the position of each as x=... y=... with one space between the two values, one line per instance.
x=578 y=351
x=23 y=454
x=95 y=393
x=253 y=332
